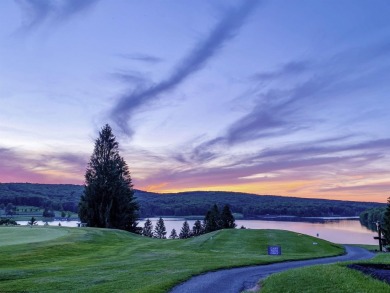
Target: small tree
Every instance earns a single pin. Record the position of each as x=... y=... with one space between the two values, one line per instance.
x=147 y=230
x=185 y=231
x=227 y=218
x=197 y=229
x=159 y=230
x=32 y=222
x=173 y=234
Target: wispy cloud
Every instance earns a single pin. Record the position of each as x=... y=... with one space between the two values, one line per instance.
x=281 y=110
x=286 y=70
x=37 y=12
x=131 y=78
x=48 y=167
x=380 y=187
x=141 y=57
x=225 y=30
x=312 y=161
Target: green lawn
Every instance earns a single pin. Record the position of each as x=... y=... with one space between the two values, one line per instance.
x=327 y=278
x=100 y=260
x=12 y=236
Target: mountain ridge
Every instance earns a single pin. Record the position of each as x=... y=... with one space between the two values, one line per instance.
x=189 y=203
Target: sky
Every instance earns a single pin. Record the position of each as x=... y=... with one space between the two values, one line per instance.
x=274 y=97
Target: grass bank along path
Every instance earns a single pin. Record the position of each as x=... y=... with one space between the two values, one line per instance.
x=328 y=279
x=102 y=260
x=240 y=279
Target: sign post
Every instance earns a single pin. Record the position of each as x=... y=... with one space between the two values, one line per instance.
x=274 y=250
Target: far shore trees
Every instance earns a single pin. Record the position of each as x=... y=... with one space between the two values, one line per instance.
x=108 y=199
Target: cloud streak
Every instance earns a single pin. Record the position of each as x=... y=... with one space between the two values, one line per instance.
x=225 y=30
x=142 y=58
x=36 y=12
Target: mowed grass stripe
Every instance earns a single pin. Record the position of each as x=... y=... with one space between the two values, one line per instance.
x=91 y=260
x=20 y=235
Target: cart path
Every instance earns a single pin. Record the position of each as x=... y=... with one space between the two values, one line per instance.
x=244 y=278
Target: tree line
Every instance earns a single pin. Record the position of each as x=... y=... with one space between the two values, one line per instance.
x=370 y=217
x=213 y=221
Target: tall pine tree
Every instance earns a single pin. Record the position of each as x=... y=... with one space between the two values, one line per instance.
x=108 y=199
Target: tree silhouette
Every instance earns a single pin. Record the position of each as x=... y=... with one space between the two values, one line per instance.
x=108 y=199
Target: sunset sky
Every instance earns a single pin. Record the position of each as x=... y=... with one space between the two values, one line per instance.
x=269 y=97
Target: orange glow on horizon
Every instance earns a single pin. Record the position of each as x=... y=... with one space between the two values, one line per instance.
x=301 y=188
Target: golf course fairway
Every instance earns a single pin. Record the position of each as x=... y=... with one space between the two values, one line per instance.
x=59 y=259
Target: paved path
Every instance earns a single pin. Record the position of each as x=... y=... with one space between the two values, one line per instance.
x=239 y=279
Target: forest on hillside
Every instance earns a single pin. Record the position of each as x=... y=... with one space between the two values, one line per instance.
x=66 y=197
x=370 y=217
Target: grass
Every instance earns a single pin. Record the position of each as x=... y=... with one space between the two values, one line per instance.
x=99 y=260
x=12 y=236
x=373 y=248
x=327 y=278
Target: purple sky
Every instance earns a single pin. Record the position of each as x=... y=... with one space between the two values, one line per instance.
x=269 y=97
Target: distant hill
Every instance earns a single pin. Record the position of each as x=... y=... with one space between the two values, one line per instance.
x=186 y=203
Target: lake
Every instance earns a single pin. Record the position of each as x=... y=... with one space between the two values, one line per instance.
x=338 y=231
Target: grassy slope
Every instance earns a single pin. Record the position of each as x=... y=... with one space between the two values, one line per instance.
x=327 y=278
x=90 y=260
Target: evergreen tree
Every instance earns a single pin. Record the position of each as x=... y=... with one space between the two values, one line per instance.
x=212 y=221
x=108 y=199
x=148 y=228
x=386 y=223
x=227 y=218
x=173 y=234
x=159 y=230
x=197 y=229
x=185 y=231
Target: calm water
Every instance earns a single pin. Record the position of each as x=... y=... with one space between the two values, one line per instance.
x=338 y=231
